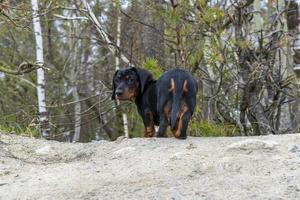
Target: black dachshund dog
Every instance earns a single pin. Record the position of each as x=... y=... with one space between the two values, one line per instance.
x=171 y=100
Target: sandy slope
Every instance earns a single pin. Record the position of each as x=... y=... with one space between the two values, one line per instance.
x=197 y=168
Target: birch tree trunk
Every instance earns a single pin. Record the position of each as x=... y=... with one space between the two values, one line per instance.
x=207 y=111
x=284 y=118
x=74 y=75
x=294 y=30
x=75 y=68
x=77 y=111
x=43 y=115
x=117 y=60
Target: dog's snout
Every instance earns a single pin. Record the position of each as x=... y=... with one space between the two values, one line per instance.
x=119 y=92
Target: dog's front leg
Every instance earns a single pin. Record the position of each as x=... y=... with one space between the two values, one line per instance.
x=149 y=125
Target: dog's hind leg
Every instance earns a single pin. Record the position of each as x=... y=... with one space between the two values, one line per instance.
x=164 y=109
x=183 y=125
x=182 y=121
x=163 y=124
x=186 y=112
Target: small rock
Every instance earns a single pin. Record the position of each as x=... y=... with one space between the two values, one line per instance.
x=178 y=156
x=250 y=145
x=120 y=139
x=3 y=173
x=1 y=184
x=293 y=149
x=191 y=146
x=125 y=150
x=293 y=188
x=173 y=158
x=176 y=196
x=44 y=150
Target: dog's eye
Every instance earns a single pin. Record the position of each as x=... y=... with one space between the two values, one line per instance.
x=131 y=80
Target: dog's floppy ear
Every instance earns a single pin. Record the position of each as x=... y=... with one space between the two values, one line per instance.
x=144 y=77
x=113 y=97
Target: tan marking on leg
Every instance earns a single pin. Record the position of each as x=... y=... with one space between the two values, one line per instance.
x=167 y=113
x=150 y=130
x=172 y=85
x=185 y=88
x=177 y=130
x=167 y=110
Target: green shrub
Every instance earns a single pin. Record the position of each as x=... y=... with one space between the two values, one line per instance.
x=136 y=126
x=18 y=130
x=151 y=65
x=212 y=129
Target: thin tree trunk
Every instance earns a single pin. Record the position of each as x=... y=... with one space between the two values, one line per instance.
x=117 y=60
x=43 y=115
x=284 y=119
x=251 y=107
x=75 y=69
x=77 y=105
x=294 y=30
x=207 y=111
x=77 y=111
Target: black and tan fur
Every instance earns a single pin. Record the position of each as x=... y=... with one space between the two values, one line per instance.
x=169 y=101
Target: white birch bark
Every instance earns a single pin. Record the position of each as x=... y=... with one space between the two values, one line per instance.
x=77 y=117
x=43 y=115
x=77 y=105
x=117 y=60
x=75 y=69
x=207 y=87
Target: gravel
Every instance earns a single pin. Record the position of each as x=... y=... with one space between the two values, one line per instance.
x=260 y=167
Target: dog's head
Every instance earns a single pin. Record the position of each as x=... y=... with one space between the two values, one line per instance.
x=129 y=82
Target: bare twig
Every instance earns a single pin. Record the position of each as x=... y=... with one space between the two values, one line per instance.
x=69 y=18
x=111 y=46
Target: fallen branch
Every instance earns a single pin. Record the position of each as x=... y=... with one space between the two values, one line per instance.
x=23 y=68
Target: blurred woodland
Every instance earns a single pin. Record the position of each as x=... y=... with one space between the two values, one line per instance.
x=245 y=55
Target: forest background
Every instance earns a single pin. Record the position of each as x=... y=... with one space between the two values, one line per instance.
x=245 y=55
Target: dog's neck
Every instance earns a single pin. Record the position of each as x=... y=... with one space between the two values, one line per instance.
x=149 y=86
x=146 y=102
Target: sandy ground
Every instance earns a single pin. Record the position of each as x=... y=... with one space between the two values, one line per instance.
x=197 y=168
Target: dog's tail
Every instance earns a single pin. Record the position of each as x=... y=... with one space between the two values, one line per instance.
x=178 y=89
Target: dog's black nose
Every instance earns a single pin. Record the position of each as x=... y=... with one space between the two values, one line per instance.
x=119 y=92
